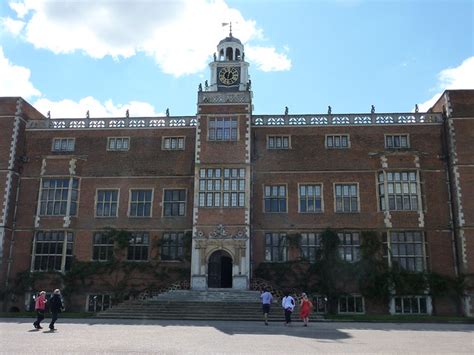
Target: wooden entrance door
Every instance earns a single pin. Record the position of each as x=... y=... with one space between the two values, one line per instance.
x=219 y=270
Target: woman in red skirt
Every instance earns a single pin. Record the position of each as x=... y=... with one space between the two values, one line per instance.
x=305 y=308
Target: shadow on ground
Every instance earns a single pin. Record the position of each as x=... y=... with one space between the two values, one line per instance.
x=329 y=331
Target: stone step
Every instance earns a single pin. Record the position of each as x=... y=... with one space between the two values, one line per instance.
x=217 y=304
x=215 y=295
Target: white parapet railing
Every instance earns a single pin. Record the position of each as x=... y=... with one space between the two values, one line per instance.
x=346 y=119
x=257 y=121
x=113 y=123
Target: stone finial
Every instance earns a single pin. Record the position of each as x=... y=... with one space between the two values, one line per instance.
x=200 y=87
x=49 y=115
x=87 y=114
x=215 y=57
x=206 y=85
x=249 y=85
x=372 y=109
x=167 y=112
x=416 y=108
x=286 y=110
x=243 y=56
x=329 y=110
x=127 y=114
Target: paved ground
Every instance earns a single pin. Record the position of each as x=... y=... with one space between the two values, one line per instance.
x=89 y=336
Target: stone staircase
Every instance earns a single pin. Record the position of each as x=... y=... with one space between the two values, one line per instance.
x=216 y=304
x=213 y=295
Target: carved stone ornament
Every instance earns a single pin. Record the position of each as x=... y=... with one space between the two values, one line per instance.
x=221 y=233
x=200 y=235
x=240 y=235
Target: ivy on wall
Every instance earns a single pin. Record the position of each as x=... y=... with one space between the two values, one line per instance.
x=121 y=278
x=333 y=277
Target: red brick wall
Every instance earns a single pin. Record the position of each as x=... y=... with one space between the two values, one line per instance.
x=146 y=165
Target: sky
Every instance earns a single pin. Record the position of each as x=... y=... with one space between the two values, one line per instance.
x=107 y=56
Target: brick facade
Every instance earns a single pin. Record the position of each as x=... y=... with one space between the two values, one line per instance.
x=439 y=158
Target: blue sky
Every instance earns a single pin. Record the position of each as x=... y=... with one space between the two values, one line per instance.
x=108 y=56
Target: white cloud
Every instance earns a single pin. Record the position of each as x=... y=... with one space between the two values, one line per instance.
x=179 y=35
x=460 y=77
x=20 y=8
x=15 y=80
x=72 y=109
x=267 y=58
x=12 y=26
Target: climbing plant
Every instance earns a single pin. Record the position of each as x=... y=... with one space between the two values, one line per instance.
x=331 y=276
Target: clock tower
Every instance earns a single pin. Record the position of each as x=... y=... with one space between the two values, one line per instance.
x=221 y=212
x=229 y=71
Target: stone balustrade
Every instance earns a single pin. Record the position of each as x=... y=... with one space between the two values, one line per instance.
x=113 y=123
x=346 y=119
x=257 y=121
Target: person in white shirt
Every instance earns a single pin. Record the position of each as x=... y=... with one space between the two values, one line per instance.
x=267 y=299
x=288 y=304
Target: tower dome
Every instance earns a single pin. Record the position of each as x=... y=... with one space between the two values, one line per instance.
x=230 y=49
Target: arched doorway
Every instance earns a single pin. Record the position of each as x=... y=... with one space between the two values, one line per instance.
x=220 y=270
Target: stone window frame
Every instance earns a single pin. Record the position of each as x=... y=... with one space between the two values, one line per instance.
x=171 y=138
x=220 y=191
x=70 y=203
x=103 y=296
x=96 y=201
x=339 y=136
x=61 y=140
x=152 y=189
x=352 y=247
x=347 y=299
x=66 y=254
x=319 y=303
x=109 y=247
x=399 y=136
x=276 y=137
x=306 y=248
x=335 y=184
x=423 y=256
x=185 y=201
x=321 y=185
x=397 y=304
x=285 y=246
x=277 y=197
x=223 y=118
x=383 y=195
x=133 y=247
x=114 y=148
x=177 y=244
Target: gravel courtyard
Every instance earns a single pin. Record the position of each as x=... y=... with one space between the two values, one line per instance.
x=89 y=336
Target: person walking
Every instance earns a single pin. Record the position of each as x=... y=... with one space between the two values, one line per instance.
x=40 y=306
x=267 y=299
x=55 y=306
x=306 y=306
x=288 y=304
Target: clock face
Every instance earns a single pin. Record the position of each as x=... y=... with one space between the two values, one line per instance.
x=228 y=75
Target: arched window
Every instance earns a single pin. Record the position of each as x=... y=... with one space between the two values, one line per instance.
x=221 y=55
x=229 y=54
x=237 y=55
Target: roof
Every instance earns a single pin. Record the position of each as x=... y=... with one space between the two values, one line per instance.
x=230 y=39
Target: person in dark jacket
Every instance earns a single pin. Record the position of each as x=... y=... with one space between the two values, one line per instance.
x=55 y=306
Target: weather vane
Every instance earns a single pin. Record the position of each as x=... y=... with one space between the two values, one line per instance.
x=230 y=26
